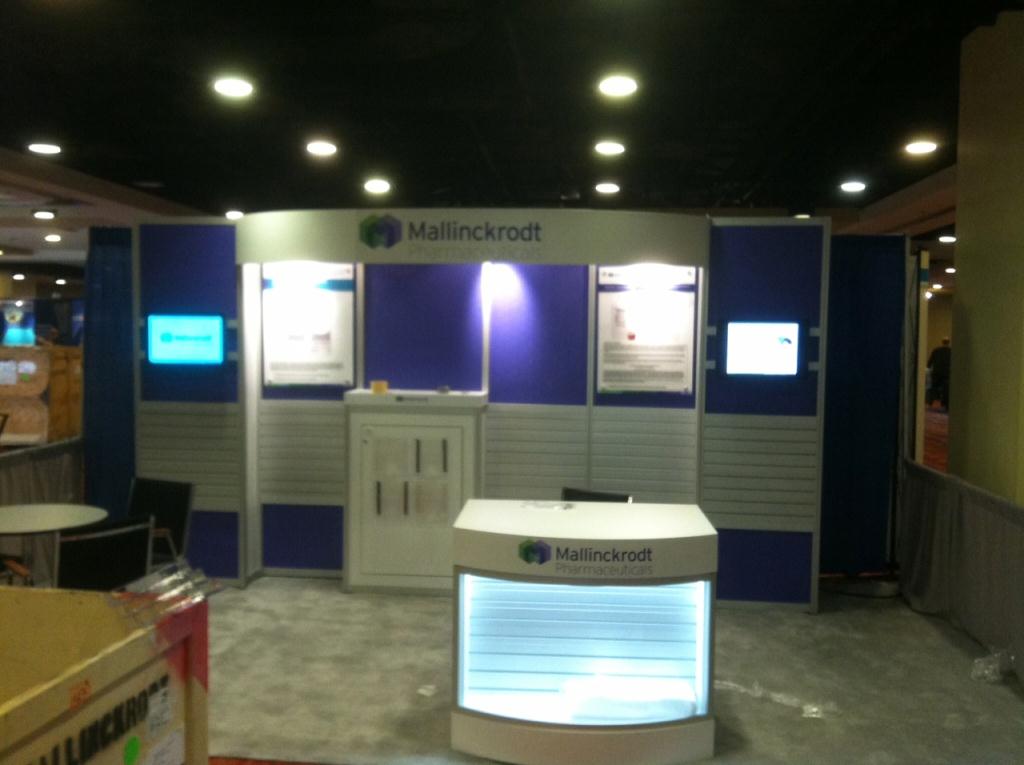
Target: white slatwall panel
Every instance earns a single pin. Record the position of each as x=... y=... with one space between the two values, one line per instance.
x=199 y=443
x=302 y=453
x=532 y=451
x=760 y=472
x=648 y=453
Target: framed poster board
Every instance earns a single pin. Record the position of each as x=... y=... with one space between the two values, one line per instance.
x=646 y=316
x=308 y=323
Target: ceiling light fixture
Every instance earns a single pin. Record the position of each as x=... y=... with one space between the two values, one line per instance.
x=234 y=214
x=951 y=270
x=1 y=252
x=19 y=303
x=617 y=86
x=609 y=148
x=928 y=295
x=936 y=286
x=920 y=147
x=233 y=87
x=61 y=282
x=52 y=238
x=853 y=187
x=18 y=277
x=947 y=239
x=377 y=186
x=802 y=216
x=321 y=148
x=44 y=214
x=44 y=148
x=607 y=187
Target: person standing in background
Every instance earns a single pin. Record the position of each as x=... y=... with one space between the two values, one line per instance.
x=938 y=364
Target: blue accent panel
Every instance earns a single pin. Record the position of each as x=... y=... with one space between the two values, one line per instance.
x=189 y=269
x=539 y=335
x=424 y=327
x=108 y=370
x=764 y=273
x=862 y=399
x=305 y=392
x=302 y=536
x=770 y=566
x=213 y=543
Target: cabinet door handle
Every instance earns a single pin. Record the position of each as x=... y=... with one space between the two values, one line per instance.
x=417 y=455
x=444 y=455
x=405 y=498
x=378 y=497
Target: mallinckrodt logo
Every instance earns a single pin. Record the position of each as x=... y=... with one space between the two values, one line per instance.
x=534 y=551
x=380 y=231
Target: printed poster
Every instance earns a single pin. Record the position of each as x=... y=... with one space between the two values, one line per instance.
x=646 y=316
x=308 y=320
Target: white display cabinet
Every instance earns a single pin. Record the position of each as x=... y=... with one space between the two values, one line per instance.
x=413 y=462
x=584 y=632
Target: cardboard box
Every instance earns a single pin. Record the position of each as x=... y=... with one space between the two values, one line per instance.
x=83 y=680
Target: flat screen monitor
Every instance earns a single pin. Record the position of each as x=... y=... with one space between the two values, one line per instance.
x=762 y=348
x=185 y=339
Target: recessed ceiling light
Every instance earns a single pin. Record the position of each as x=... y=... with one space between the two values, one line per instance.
x=853 y=187
x=802 y=216
x=234 y=214
x=53 y=238
x=927 y=294
x=233 y=87
x=61 y=282
x=377 y=186
x=609 y=148
x=617 y=86
x=19 y=303
x=18 y=277
x=44 y=214
x=947 y=239
x=607 y=187
x=951 y=270
x=44 y=148
x=936 y=286
x=921 y=147
x=321 y=148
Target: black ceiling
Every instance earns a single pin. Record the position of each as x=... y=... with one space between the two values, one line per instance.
x=759 y=103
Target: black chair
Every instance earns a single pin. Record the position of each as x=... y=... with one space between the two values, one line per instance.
x=169 y=503
x=586 y=495
x=104 y=557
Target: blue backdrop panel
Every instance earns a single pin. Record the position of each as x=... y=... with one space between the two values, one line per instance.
x=213 y=543
x=302 y=536
x=108 y=370
x=424 y=327
x=539 y=335
x=764 y=273
x=769 y=566
x=189 y=269
x=862 y=400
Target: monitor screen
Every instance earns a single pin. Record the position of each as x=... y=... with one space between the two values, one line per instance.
x=762 y=348
x=185 y=339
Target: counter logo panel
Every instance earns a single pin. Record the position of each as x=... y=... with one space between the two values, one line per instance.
x=535 y=551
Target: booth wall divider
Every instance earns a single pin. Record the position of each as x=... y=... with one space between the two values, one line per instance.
x=761 y=450
x=190 y=424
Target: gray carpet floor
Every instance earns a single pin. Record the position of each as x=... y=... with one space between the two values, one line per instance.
x=301 y=671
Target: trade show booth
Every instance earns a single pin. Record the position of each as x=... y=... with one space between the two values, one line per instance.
x=675 y=358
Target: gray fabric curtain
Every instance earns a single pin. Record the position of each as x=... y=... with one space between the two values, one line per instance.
x=961 y=555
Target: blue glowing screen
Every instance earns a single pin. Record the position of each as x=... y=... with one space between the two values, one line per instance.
x=185 y=339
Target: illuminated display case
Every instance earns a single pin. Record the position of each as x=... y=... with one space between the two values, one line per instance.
x=584 y=632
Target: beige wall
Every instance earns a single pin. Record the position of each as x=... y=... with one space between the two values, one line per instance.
x=986 y=406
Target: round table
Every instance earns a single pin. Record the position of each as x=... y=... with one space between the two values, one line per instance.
x=46 y=518
x=41 y=517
